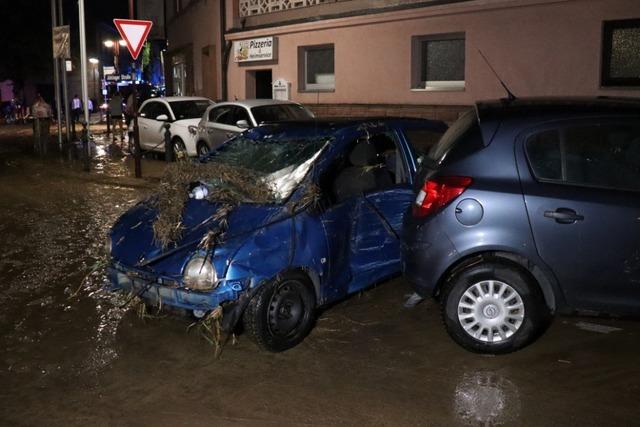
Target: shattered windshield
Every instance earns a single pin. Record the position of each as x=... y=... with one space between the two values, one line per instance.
x=277 y=164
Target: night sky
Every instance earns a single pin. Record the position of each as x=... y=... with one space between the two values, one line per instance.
x=25 y=34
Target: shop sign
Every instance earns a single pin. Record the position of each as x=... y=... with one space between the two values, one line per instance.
x=262 y=49
x=118 y=78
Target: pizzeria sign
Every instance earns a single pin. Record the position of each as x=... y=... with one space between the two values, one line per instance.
x=261 y=49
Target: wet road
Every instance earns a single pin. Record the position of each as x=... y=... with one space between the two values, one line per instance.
x=78 y=360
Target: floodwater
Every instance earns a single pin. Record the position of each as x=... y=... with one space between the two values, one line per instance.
x=71 y=355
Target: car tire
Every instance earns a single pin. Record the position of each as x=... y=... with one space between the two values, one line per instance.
x=494 y=308
x=281 y=313
x=202 y=149
x=179 y=149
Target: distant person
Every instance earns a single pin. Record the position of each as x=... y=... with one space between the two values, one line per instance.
x=41 y=124
x=130 y=111
x=90 y=105
x=115 y=110
x=76 y=110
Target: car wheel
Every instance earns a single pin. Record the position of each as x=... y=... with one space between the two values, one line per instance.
x=203 y=149
x=493 y=308
x=179 y=149
x=281 y=313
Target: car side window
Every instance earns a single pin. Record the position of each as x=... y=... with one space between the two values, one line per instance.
x=221 y=114
x=606 y=156
x=544 y=155
x=148 y=111
x=241 y=113
x=160 y=110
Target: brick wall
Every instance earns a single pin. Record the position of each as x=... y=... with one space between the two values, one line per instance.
x=447 y=113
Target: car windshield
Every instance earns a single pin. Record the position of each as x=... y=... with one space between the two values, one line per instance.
x=193 y=109
x=280 y=112
x=279 y=163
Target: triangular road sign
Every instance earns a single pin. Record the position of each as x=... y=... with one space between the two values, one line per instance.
x=134 y=33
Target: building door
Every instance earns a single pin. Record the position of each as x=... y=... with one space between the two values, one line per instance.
x=209 y=72
x=259 y=84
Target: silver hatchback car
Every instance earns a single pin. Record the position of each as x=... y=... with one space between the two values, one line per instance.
x=224 y=120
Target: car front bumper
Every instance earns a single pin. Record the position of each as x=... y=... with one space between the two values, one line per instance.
x=167 y=291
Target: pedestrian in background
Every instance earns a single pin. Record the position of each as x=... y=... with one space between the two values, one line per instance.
x=115 y=110
x=41 y=124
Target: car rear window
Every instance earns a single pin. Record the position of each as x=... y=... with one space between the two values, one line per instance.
x=438 y=151
x=605 y=156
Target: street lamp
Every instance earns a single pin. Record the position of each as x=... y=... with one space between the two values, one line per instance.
x=110 y=44
x=94 y=64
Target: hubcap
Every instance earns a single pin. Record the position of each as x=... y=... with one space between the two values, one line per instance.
x=490 y=311
x=286 y=310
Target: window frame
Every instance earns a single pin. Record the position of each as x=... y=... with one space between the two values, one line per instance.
x=417 y=60
x=608 y=27
x=303 y=85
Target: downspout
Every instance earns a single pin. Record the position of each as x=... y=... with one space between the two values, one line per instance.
x=224 y=50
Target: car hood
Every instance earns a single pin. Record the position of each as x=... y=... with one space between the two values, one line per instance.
x=132 y=237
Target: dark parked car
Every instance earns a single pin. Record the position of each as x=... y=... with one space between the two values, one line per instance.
x=319 y=220
x=526 y=208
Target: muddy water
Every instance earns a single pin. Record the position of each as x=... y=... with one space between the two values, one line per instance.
x=77 y=360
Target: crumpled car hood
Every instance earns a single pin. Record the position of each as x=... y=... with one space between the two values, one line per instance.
x=132 y=235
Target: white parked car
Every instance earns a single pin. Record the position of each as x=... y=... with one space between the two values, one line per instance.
x=183 y=113
x=224 y=120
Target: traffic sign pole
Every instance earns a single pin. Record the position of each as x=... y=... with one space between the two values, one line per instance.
x=134 y=33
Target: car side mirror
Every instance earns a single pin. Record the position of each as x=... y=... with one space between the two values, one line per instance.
x=162 y=118
x=242 y=124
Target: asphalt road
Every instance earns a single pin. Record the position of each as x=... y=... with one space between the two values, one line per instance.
x=84 y=360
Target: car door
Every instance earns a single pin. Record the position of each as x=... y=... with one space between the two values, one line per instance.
x=581 y=183
x=156 y=127
x=376 y=245
x=221 y=125
x=145 y=118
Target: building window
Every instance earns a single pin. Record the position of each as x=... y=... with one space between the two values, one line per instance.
x=179 y=75
x=438 y=62
x=620 y=47
x=316 y=68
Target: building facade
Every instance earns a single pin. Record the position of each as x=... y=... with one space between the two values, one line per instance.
x=413 y=58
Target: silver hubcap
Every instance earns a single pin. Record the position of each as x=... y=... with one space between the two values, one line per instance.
x=491 y=311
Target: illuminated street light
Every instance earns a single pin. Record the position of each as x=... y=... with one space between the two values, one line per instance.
x=94 y=61
x=109 y=43
x=122 y=43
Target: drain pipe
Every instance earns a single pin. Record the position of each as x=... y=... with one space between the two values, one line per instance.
x=224 y=51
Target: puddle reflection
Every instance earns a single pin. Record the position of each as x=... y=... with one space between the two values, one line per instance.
x=486 y=398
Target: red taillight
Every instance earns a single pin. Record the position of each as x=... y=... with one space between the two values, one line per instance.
x=437 y=192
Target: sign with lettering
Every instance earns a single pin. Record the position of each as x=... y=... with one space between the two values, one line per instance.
x=262 y=49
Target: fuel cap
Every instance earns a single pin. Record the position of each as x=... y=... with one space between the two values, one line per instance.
x=469 y=212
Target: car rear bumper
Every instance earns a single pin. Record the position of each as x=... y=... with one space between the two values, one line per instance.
x=426 y=256
x=156 y=290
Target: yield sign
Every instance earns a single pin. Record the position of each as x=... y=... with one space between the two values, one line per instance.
x=134 y=33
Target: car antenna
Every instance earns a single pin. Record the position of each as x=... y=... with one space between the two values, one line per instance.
x=510 y=94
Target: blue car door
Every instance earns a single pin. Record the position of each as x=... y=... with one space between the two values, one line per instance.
x=582 y=192
x=376 y=245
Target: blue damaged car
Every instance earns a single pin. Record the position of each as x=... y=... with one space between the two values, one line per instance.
x=319 y=221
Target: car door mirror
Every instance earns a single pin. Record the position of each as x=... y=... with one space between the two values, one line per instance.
x=162 y=118
x=242 y=124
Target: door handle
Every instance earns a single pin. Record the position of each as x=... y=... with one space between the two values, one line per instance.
x=564 y=216
x=230 y=134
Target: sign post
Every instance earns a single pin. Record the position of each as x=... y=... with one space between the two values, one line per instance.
x=134 y=33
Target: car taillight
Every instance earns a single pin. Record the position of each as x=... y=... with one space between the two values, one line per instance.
x=438 y=192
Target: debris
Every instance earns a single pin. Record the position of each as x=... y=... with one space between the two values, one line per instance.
x=412 y=300
x=594 y=327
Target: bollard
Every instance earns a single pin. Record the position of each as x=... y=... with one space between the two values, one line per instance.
x=85 y=147
x=109 y=123
x=169 y=153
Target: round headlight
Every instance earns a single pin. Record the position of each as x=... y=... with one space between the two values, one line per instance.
x=200 y=274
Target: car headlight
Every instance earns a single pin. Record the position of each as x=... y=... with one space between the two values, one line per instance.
x=200 y=274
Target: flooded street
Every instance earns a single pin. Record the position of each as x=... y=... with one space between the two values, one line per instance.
x=70 y=354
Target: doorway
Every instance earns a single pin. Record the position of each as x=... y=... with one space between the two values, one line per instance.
x=259 y=84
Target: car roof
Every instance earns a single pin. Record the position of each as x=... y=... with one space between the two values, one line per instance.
x=333 y=124
x=250 y=103
x=503 y=108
